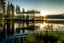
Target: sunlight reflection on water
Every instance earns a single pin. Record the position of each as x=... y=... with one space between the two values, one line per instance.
x=42 y=25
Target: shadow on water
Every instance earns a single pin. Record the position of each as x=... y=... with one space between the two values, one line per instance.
x=8 y=30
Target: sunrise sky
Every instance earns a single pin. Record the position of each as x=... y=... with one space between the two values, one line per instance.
x=51 y=6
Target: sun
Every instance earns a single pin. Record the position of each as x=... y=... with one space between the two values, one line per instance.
x=44 y=13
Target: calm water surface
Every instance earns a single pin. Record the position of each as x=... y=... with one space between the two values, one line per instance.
x=12 y=30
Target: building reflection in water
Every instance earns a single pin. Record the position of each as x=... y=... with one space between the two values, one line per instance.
x=11 y=28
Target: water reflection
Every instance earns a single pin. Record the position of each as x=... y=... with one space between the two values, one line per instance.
x=11 y=28
x=22 y=29
x=42 y=25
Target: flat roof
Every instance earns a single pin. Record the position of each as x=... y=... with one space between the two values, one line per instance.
x=29 y=12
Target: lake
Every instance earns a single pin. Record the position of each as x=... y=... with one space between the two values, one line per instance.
x=20 y=32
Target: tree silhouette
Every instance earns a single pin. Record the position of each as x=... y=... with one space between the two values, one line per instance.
x=17 y=9
x=10 y=10
x=2 y=2
x=2 y=7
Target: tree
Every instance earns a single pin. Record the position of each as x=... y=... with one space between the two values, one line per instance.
x=10 y=10
x=3 y=8
x=18 y=9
